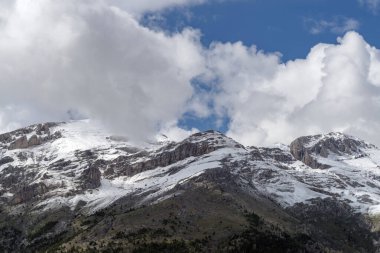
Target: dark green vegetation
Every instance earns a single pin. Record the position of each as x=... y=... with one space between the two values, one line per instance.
x=205 y=217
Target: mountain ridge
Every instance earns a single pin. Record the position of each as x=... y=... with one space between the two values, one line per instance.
x=77 y=167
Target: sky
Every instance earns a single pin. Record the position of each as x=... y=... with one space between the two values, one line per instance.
x=261 y=71
x=290 y=27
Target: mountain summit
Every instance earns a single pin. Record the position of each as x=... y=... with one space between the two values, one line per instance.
x=73 y=187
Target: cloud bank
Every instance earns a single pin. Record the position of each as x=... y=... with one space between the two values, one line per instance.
x=61 y=59
x=95 y=58
x=336 y=88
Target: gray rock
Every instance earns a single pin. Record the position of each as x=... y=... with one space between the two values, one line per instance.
x=167 y=155
x=44 y=128
x=6 y=160
x=20 y=143
x=29 y=192
x=91 y=178
x=276 y=154
x=5 y=138
x=23 y=143
x=34 y=141
x=22 y=156
x=333 y=143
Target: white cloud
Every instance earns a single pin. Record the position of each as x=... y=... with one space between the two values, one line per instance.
x=171 y=132
x=138 y=7
x=337 y=25
x=336 y=88
x=94 y=58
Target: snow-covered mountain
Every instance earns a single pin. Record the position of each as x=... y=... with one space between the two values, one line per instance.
x=84 y=170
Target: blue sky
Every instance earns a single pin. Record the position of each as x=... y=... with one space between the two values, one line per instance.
x=284 y=26
x=273 y=25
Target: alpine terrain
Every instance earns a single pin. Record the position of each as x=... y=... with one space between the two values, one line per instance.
x=74 y=187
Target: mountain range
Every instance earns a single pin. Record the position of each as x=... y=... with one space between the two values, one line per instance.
x=74 y=187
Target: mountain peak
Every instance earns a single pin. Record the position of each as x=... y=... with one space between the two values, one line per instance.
x=333 y=144
x=213 y=138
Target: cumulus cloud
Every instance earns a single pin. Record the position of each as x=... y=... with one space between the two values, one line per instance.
x=92 y=58
x=95 y=58
x=336 y=88
x=337 y=25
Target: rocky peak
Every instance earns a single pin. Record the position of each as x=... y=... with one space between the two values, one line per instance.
x=194 y=146
x=213 y=138
x=30 y=136
x=307 y=148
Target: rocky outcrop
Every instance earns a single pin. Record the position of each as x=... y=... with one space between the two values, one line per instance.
x=301 y=153
x=332 y=143
x=27 y=193
x=196 y=145
x=18 y=139
x=34 y=141
x=308 y=148
x=44 y=128
x=23 y=142
x=39 y=129
x=11 y=177
x=182 y=151
x=6 y=160
x=5 y=138
x=20 y=143
x=277 y=155
x=342 y=145
x=90 y=178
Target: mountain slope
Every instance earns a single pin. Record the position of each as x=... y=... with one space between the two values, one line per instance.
x=74 y=187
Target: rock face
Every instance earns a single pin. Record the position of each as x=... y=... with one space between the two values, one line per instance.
x=307 y=148
x=165 y=158
x=6 y=160
x=91 y=178
x=5 y=138
x=44 y=128
x=196 y=145
x=27 y=193
x=276 y=154
x=34 y=141
x=301 y=153
x=24 y=143
x=20 y=143
x=18 y=139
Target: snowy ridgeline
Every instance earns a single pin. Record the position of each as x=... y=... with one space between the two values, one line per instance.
x=85 y=165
